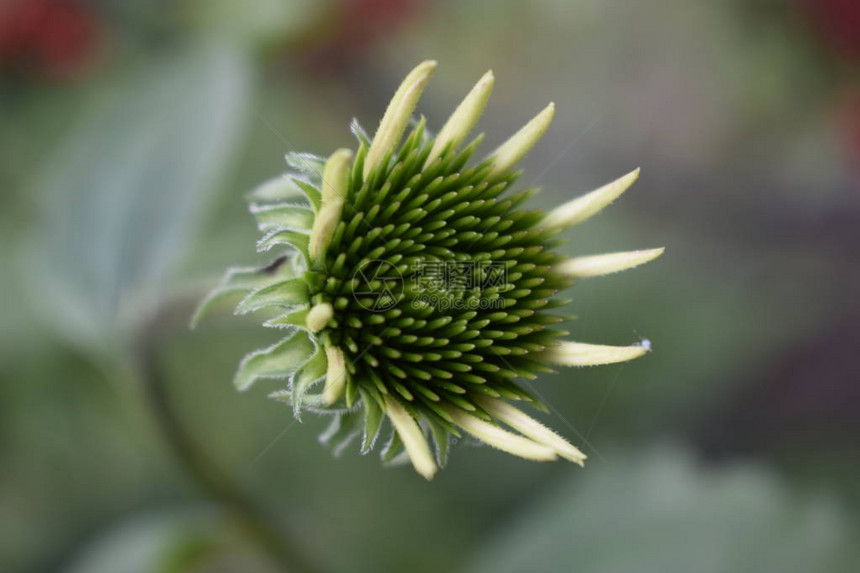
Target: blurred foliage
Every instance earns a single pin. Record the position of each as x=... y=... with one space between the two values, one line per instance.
x=254 y=22
x=657 y=512
x=122 y=185
x=176 y=542
x=126 y=194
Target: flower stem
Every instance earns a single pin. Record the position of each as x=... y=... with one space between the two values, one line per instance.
x=255 y=523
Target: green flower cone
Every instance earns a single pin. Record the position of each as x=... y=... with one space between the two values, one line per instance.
x=414 y=287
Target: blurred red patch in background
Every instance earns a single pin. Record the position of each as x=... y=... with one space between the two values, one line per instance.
x=837 y=22
x=48 y=39
x=848 y=116
x=836 y=25
x=352 y=28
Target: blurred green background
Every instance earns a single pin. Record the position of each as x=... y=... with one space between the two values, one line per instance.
x=132 y=128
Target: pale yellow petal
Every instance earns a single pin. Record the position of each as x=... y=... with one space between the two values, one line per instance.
x=499 y=438
x=412 y=437
x=318 y=316
x=335 y=182
x=335 y=379
x=597 y=265
x=530 y=427
x=464 y=118
x=397 y=115
x=586 y=206
x=581 y=354
x=510 y=152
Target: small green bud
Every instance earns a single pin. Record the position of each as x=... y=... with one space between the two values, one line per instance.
x=319 y=315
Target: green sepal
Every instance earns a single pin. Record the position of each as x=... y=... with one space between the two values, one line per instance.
x=357 y=177
x=416 y=138
x=278 y=190
x=288 y=293
x=306 y=163
x=359 y=132
x=427 y=136
x=282 y=216
x=311 y=372
x=393 y=449
x=514 y=391
x=238 y=280
x=373 y=417
x=441 y=441
x=351 y=392
x=344 y=428
x=277 y=361
x=285 y=237
x=295 y=318
x=313 y=195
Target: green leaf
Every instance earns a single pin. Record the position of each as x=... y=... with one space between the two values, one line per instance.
x=125 y=195
x=312 y=372
x=179 y=539
x=659 y=513
x=279 y=237
x=277 y=361
x=283 y=216
x=288 y=293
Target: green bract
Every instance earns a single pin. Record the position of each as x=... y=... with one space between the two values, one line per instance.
x=414 y=286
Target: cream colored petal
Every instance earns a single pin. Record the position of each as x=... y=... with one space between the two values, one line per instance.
x=464 y=118
x=318 y=316
x=501 y=439
x=586 y=206
x=510 y=152
x=412 y=437
x=581 y=354
x=335 y=379
x=530 y=427
x=335 y=183
x=597 y=265
x=397 y=115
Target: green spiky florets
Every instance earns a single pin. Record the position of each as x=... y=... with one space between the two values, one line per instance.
x=415 y=287
x=405 y=219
